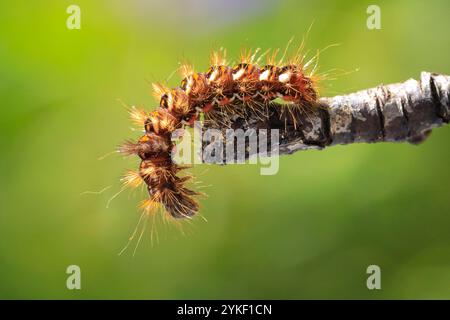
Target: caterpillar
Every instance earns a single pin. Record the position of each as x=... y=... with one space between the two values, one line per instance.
x=218 y=94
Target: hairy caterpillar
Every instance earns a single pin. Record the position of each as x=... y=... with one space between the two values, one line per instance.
x=218 y=93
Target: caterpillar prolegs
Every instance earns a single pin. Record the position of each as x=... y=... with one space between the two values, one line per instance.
x=219 y=93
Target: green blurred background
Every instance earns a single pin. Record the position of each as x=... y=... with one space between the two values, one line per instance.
x=309 y=231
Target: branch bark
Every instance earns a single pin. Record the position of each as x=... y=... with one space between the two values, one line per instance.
x=397 y=112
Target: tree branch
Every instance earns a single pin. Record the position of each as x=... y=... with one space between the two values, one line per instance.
x=397 y=112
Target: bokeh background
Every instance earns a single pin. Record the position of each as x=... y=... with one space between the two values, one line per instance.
x=309 y=231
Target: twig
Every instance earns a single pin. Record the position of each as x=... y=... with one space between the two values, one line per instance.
x=396 y=113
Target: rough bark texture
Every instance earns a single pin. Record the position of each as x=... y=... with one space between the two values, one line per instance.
x=397 y=112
